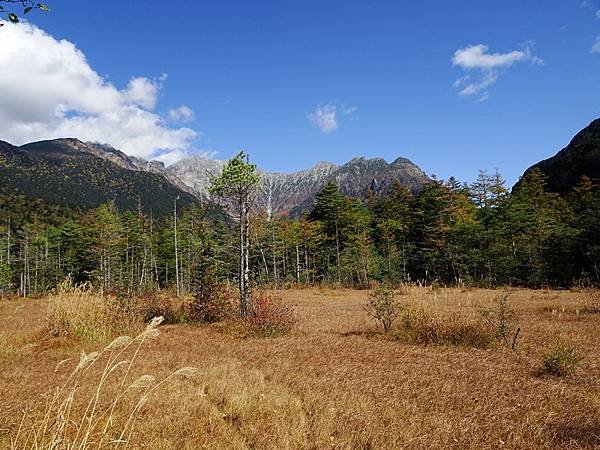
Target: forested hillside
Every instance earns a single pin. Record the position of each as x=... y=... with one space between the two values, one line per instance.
x=61 y=173
x=580 y=158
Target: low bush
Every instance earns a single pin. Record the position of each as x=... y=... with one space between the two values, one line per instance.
x=153 y=304
x=214 y=306
x=560 y=360
x=383 y=307
x=269 y=316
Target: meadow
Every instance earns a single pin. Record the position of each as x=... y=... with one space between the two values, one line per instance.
x=336 y=380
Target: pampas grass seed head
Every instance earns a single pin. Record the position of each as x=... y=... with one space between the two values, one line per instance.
x=145 y=381
x=85 y=360
x=121 y=341
x=187 y=372
x=155 y=322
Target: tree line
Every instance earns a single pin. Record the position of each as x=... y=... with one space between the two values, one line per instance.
x=447 y=233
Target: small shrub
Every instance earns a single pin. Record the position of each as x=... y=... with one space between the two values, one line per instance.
x=153 y=304
x=561 y=360
x=269 y=316
x=501 y=318
x=383 y=307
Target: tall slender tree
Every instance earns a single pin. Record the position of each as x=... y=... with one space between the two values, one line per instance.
x=237 y=185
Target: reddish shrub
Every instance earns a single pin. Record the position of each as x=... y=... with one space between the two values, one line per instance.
x=269 y=316
x=213 y=306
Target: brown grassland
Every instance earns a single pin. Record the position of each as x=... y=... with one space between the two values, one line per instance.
x=335 y=381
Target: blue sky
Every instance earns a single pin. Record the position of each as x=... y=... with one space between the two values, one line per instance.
x=295 y=82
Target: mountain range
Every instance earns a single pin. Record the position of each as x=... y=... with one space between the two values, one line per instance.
x=294 y=193
x=85 y=174
x=71 y=173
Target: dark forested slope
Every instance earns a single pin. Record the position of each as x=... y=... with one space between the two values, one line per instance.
x=63 y=172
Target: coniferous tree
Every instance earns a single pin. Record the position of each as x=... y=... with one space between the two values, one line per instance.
x=328 y=207
x=237 y=185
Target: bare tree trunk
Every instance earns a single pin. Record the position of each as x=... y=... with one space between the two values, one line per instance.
x=246 y=262
x=27 y=285
x=8 y=243
x=244 y=277
x=337 y=251
x=275 y=275
x=176 y=255
x=297 y=264
x=306 y=268
x=262 y=254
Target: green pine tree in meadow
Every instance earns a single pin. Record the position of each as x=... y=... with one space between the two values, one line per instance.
x=236 y=186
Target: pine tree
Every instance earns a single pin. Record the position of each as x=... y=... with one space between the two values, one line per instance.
x=237 y=185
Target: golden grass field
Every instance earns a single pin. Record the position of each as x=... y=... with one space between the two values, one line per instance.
x=334 y=382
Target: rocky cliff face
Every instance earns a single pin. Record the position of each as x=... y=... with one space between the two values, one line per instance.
x=294 y=193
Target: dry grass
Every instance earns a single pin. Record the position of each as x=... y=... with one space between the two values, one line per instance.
x=107 y=421
x=421 y=327
x=591 y=301
x=78 y=313
x=336 y=381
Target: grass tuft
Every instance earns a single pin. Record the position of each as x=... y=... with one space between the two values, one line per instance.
x=83 y=315
x=561 y=360
x=421 y=327
x=591 y=301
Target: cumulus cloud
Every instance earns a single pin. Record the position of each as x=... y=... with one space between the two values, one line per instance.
x=49 y=90
x=327 y=117
x=487 y=67
x=182 y=114
x=596 y=46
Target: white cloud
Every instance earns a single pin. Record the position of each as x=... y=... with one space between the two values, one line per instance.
x=327 y=117
x=468 y=87
x=172 y=157
x=598 y=14
x=596 y=46
x=477 y=57
x=182 y=114
x=324 y=118
x=49 y=90
x=487 y=66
